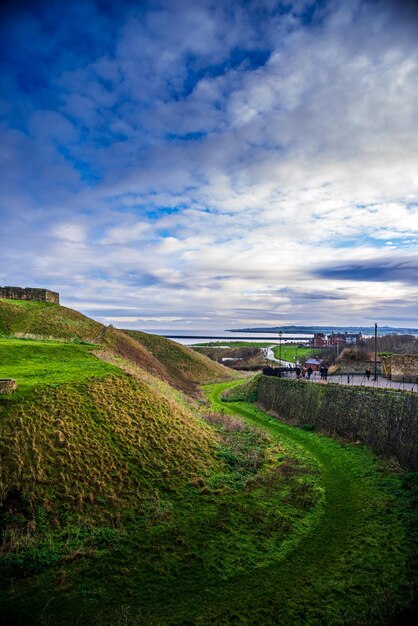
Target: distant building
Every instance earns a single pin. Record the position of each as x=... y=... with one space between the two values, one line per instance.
x=320 y=340
x=314 y=363
x=347 y=339
x=30 y=293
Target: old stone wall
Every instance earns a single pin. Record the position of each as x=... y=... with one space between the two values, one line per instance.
x=386 y=420
x=403 y=367
x=7 y=385
x=30 y=293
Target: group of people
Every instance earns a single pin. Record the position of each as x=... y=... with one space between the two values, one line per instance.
x=323 y=370
x=303 y=372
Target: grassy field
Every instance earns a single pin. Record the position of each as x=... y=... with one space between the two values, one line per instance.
x=166 y=360
x=279 y=526
x=32 y=363
x=124 y=501
x=292 y=352
x=289 y=351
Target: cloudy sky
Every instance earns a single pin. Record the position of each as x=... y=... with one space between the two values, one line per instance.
x=210 y=163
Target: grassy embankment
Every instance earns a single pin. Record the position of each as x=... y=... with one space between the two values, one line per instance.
x=109 y=481
x=122 y=505
x=292 y=352
x=165 y=360
x=282 y=526
x=113 y=498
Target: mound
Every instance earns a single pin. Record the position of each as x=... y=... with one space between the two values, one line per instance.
x=20 y=317
x=185 y=367
x=177 y=365
x=96 y=447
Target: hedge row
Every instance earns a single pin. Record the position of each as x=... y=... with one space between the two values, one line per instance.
x=386 y=420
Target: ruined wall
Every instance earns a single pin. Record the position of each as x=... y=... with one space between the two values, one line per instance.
x=404 y=368
x=30 y=293
x=7 y=385
x=386 y=420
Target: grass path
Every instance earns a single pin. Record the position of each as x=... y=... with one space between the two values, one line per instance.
x=348 y=570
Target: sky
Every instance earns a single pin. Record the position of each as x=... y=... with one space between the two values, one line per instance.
x=210 y=164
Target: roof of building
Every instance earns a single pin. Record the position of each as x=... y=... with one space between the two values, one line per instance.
x=312 y=361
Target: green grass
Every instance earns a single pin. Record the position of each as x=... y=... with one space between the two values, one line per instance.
x=177 y=365
x=45 y=320
x=283 y=526
x=234 y=344
x=35 y=362
x=292 y=353
x=184 y=367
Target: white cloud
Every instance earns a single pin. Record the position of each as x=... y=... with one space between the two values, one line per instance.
x=306 y=161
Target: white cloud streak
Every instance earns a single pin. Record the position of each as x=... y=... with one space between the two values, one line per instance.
x=206 y=191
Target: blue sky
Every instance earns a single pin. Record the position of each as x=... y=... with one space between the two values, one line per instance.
x=208 y=164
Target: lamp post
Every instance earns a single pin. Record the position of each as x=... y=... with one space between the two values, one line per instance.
x=280 y=346
x=375 y=352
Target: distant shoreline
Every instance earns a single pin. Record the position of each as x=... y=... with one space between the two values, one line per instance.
x=310 y=330
x=236 y=338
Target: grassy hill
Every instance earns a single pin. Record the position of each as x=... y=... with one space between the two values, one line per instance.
x=125 y=501
x=177 y=365
x=184 y=365
x=107 y=471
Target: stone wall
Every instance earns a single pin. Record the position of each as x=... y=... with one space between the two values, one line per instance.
x=30 y=293
x=386 y=420
x=402 y=367
x=7 y=385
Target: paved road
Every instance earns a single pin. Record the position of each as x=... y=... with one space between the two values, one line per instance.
x=269 y=354
x=361 y=380
x=346 y=379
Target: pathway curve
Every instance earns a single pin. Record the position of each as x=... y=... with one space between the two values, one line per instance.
x=269 y=354
x=306 y=587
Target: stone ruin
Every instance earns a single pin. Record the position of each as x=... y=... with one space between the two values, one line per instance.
x=7 y=385
x=30 y=293
x=402 y=367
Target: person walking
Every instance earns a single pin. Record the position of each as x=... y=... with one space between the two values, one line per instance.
x=368 y=373
x=309 y=372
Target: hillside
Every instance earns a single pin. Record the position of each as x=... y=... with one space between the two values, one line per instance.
x=183 y=364
x=103 y=471
x=175 y=364
x=125 y=501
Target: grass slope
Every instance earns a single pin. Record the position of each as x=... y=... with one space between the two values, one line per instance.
x=283 y=526
x=186 y=366
x=177 y=365
x=46 y=320
x=107 y=492
x=33 y=362
x=121 y=504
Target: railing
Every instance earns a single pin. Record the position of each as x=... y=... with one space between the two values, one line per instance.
x=344 y=378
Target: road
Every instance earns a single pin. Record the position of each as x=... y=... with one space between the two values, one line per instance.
x=361 y=381
x=345 y=379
